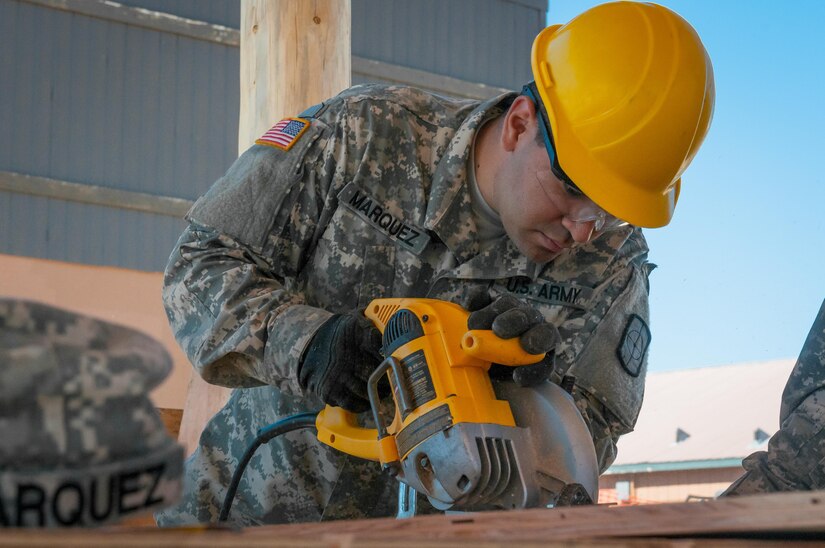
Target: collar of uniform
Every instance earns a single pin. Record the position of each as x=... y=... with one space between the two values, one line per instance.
x=586 y=264
x=449 y=209
x=592 y=262
x=502 y=260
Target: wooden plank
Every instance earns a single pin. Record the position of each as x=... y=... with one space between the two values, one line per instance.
x=227 y=539
x=203 y=400
x=756 y=515
x=171 y=420
x=784 y=518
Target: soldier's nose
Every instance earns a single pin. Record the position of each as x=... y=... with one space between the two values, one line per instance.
x=580 y=231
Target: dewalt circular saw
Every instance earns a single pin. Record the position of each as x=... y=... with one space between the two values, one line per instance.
x=457 y=437
x=465 y=442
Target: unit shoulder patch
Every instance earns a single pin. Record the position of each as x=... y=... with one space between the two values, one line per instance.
x=284 y=134
x=633 y=345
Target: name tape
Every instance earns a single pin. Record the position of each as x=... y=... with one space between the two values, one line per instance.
x=403 y=234
x=549 y=292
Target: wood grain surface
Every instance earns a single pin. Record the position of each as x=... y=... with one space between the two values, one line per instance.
x=770 y=520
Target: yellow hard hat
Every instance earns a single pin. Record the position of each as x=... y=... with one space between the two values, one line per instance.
x=628 y=91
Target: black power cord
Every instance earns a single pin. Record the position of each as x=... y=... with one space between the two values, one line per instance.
x=265 y=434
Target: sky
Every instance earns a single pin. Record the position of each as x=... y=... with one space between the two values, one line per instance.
x=741 y=268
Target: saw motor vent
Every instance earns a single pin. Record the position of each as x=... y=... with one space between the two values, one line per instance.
x=499 y=472
x=402 y=327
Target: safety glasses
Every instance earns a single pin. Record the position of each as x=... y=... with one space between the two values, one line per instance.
x=580 y=208
x=575 y=206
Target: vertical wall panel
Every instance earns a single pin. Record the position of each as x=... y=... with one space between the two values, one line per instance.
x=97 y=126
x=183 y=113
x=164 y=149
x=113 y=110
x=5 y=216
x=55 y=232
x=485 y=41
x=88 y=102
x=109 y=246
x=58 y=80
x=130 y=127
x=75 y=232
x=77 y=86
x=22 y=153
x=150 y=180
x=200 y=117
x=8 y=85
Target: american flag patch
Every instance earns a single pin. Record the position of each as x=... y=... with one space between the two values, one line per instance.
x=284 y=134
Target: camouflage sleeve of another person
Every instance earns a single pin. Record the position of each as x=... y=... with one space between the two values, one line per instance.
x=605 y=349
x=795 y=459
x=226 y=286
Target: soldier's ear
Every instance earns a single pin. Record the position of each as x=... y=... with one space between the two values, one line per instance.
x=519 y=123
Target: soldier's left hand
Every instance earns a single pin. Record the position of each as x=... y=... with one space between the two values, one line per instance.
x=509 y=317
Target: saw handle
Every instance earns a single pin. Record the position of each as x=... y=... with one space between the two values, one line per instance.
x=486 y=345
x=339 y=428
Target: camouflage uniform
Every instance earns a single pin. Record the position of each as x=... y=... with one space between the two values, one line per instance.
x=372 y=201
x=795 y=459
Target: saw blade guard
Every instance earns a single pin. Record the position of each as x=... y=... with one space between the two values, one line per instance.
x=543 y=462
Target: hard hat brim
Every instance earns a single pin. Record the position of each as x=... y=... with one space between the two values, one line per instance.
x=621 y=198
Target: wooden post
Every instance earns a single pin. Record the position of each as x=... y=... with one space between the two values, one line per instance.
x=294 y=54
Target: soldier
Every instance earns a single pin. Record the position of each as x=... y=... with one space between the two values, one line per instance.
x=795 y=455
x=531 y=199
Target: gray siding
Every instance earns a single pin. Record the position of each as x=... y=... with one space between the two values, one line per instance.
x=114 y=105
x=90 y=100
x=108 y=104
x=83 y=233
x=485 y=41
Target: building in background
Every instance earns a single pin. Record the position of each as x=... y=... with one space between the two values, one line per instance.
x=694 y=429
x=116 y=116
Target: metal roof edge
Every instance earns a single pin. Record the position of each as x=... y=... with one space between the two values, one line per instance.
x=673 y=466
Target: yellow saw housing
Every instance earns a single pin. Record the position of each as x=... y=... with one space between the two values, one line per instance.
x=438 y=372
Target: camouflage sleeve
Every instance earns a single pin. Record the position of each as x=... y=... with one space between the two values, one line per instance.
x=229 y=283
x=234 y=319
x=605 y=350
x=795 y=456
x=796 y=453
x=808 y=375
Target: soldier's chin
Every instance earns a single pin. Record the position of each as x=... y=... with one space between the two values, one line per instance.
x=537 y=252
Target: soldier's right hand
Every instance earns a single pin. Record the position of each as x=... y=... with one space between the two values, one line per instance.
x=339 y=360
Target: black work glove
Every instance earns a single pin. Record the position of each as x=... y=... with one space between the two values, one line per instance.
x=509 y=317
x=339 y=361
